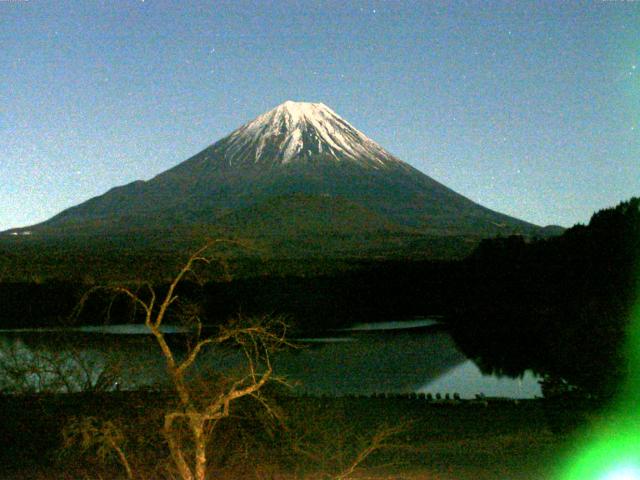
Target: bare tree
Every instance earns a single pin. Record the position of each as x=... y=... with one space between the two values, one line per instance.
x=198 y=410
x=380 y=440
x=106 y=438
x=332 y=447
x=66 y=369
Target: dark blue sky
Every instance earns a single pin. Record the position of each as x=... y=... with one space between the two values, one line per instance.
x=529 y=108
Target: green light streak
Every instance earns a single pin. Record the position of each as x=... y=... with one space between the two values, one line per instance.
x=612 y=451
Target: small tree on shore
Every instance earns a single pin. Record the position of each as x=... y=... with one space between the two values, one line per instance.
x=187 y=425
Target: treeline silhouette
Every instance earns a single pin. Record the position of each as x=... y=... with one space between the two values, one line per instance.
x=373 y=291
x=560 y=307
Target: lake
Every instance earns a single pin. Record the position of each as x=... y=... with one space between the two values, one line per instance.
x=416 y=355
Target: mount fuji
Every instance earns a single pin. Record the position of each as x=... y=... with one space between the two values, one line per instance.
x=299 y=171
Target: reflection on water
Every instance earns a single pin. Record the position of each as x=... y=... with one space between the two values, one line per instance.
x=397 y=361
x=395 y=357
x=124 y=329
x=397 y=325
x=468 y=381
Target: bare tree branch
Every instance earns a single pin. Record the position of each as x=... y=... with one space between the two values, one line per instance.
x=257 y=339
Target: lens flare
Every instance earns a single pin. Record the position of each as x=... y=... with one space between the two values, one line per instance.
x=612 y=451
x=625 y=472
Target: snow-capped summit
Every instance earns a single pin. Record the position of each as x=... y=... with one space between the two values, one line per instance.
x=300 y=130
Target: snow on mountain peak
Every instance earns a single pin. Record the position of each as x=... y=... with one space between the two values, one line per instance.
x=299 y=110
x=298 y=130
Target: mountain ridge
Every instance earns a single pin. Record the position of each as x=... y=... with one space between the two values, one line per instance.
x=297 y=148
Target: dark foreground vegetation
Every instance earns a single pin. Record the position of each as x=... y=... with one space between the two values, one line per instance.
x=310 y=437
x=560 y=307
x=368 y=292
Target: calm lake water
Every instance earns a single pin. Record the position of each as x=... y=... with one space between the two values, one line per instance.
x=391 y=357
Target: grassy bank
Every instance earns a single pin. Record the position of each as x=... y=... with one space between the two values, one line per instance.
x=479 y=440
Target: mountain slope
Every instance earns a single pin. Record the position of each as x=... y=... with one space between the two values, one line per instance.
x=296 y=149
